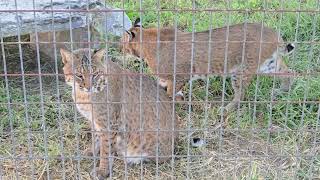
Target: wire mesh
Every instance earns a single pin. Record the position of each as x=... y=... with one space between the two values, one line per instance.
x=45 y=136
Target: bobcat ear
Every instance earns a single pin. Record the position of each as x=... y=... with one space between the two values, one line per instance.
x=137 y=23
x=66 y=56
x=99 y=54
x=131 y=35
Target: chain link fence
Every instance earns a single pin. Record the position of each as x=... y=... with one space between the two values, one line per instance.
x=267 y=136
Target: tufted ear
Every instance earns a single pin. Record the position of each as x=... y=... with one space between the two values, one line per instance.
x=130 y=35
x=66 y=56
x=99 y=54
x=137 y=23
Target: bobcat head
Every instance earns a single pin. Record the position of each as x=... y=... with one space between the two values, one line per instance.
x=139 y=41
x=84 y=69
x=131 y=39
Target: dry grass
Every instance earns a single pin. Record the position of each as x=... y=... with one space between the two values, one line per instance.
x=43 y=136
x=58 y=152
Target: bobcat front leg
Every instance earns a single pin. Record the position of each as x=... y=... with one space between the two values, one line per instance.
x=106 y=150
x=285 y=79
x=178 y=92
x=95 y=147
x=240 y=81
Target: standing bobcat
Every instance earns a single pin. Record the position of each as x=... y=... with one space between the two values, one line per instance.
x=109 y=97
x=240 y=56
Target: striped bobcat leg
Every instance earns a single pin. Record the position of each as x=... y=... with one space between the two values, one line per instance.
x=104 y=164
x=178 y=92
x=276 y=65
x=285 y=79
x=163 y=83
x=239 y=84
x=95 y=146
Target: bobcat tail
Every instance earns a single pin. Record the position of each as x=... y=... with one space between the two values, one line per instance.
x=197 y=142
x=289 y=48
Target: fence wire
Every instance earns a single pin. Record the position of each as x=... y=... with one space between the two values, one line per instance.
x=44 y=136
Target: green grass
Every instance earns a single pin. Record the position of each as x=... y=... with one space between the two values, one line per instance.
x=294 y=27
x=266 y=141
x=290 y=114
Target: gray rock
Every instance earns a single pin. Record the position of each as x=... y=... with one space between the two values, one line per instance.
x=28 y=16
x=53 y=30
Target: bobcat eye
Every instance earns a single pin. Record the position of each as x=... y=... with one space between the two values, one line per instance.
x=131 y=35
x=79 y=76
x=96 y=75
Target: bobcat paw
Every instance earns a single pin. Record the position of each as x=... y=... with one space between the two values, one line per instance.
x=231 y=106
x=100 y=174
x=163 y=83
x=224 y=110
x=179 y=96
x=89 y=152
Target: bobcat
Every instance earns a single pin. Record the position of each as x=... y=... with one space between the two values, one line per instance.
x=109 y=97
x=233 y=51
x=79 y=37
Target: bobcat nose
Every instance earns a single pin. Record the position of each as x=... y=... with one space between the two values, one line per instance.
x=84 y=87
x=87 y=88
